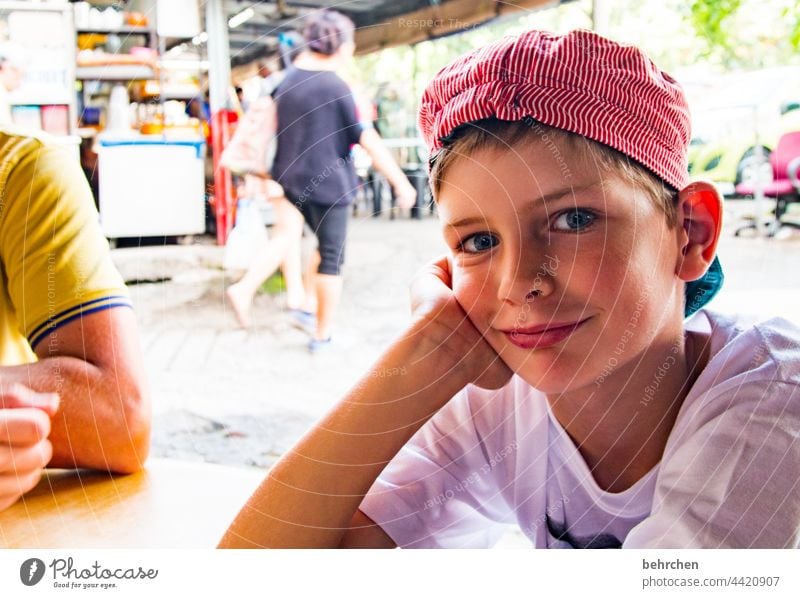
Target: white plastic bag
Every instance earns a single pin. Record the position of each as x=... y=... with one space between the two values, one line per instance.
x=247 y=238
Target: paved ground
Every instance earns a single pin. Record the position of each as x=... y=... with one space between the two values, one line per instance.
x=231 y=396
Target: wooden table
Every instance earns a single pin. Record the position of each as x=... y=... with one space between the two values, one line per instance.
x=172 y=504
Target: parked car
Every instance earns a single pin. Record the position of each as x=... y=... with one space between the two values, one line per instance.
x=730 y=160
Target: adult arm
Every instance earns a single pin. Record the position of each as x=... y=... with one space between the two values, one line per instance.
x=384 y=163
x=94 y=364
x=71 y=305
x=368 y=138
x=310 y=498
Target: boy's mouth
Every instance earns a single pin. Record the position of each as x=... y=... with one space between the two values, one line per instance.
x=539 y=337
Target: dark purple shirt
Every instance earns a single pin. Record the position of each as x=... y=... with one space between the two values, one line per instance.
x=317 y=125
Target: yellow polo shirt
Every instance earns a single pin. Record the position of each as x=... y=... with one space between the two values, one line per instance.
x=55 y=263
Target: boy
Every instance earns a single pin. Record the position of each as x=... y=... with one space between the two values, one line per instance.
x=577 y=247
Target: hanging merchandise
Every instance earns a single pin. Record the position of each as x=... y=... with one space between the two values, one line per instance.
x=178 y=18
x=119 y=110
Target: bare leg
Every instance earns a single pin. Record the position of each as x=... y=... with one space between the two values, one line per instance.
x=310 y=282
x=292 y=277
x=329 y=292
x=291 y=266
x=288 y=226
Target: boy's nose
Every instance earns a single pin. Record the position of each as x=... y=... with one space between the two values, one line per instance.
x=526 y=279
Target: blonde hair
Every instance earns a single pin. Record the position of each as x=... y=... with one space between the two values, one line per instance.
x=492 y=133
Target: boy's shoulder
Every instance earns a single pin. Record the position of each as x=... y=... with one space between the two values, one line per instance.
x=752 y=375
x=749 y=389
x=745 y=348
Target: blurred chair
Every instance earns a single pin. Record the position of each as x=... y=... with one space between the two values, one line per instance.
x=411 y=155
x=785 y=184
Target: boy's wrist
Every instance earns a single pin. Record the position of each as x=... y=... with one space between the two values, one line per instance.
x=440 y=351
x=457 y=350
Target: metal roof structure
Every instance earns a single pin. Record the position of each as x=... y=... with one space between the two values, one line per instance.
x=380 y=23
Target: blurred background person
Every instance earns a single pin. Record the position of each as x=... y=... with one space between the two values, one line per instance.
x=318 y=123
x=284 y=246
x=12 y=69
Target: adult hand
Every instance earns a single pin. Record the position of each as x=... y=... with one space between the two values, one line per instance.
x=406 y=194
x=274 y=189
x=24 y=448
x=449 y=326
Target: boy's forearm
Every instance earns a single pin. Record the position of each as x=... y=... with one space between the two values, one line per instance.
x=103 y=422
x=311 y=494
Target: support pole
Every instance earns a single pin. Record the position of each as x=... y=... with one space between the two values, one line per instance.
x=601 y=14
x=219 y=76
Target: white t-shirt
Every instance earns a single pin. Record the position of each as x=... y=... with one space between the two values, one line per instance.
x=729 y=475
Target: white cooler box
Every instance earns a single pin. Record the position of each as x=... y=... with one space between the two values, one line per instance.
x=151 y=187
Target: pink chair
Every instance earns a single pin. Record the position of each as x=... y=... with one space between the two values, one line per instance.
x=785 y=186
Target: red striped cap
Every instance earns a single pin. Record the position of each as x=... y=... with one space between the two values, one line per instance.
x=579 y=82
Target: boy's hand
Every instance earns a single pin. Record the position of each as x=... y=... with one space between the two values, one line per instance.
x=24 y=448
x=450 y=329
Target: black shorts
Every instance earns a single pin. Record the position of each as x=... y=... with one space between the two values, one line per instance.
x=329 y=223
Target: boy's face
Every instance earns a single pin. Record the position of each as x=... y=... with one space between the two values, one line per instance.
x=569 y=272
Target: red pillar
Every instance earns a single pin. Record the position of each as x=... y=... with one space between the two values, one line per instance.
x=221 y=131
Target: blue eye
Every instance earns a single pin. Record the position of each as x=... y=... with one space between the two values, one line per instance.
x=574 y=220
x=479 y=243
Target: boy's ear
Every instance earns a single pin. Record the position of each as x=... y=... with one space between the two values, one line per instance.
x=700 y=213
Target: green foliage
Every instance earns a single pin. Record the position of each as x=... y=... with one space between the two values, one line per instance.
x=710 y=19
x=792 y=12
x=713 y=36
x=729 y=38
x=274 y=285
x=403 y=71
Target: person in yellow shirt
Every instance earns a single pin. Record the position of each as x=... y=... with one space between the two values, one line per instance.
x=72 y=384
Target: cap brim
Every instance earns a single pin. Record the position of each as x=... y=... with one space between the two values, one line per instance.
x=699 y=292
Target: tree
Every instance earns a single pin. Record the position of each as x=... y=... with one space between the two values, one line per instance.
x=734 y=34
x=714 y=35
x=710 y=19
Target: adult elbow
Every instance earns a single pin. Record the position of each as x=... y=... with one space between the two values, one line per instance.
x=370 y=140
x=133 y=449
